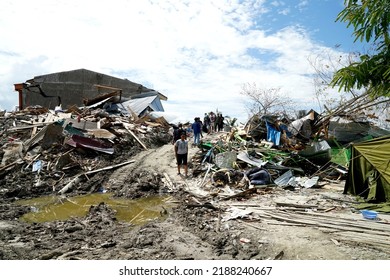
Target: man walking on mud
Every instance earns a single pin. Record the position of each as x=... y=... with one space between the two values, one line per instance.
x=181 y=152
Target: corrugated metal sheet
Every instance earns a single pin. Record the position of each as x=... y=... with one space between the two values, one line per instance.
x=139 y=105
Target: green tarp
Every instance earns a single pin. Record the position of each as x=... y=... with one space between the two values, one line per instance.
x=369 y=170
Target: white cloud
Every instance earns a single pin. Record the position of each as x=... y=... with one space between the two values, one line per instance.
x=195 y=52
x=303 y=4
x=284 y=11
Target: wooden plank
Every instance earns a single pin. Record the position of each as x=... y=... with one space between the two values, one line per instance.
x=106 y=87
x=101 y=133
x=77 y=178
x=378 y=225
x=153 y=124
x=28 y=127
x=70 y=185
x=340 y=224
x=33 y=132
x=140 y=130
x=169 y=181
x=11 y=164
x=250 y=225
x=330 y=225
x=284 y=204
x=109 y=167
x=136 y=138
x=363 y=237
x=335 y=242
x=27 y=122
x=241 y=194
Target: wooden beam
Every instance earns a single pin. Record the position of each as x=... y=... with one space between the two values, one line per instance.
x=27 y=127
x=107 y=87
x=109 y=167
x=136 y=138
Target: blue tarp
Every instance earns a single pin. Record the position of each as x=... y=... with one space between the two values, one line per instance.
x=273 y=135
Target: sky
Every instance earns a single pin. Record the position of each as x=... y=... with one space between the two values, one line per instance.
x=198 y=53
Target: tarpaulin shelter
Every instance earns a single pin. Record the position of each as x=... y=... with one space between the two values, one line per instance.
x=369 y=170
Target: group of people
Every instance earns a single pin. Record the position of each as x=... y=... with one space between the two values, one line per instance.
x=211 y=123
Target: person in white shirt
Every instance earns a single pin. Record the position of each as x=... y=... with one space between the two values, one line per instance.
x=181 y=152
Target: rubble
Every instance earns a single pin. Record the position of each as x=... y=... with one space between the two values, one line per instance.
x=90 y=149
x=269 y=150
x=69 y=145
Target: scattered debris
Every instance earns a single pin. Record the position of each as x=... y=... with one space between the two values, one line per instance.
x=74 y=151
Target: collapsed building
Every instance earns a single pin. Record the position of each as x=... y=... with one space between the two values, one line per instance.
x=83 y=87
x=62 y=114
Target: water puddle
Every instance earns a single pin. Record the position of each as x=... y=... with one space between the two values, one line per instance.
x=56 y=208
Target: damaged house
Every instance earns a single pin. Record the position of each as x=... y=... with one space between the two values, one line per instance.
x=83 y=87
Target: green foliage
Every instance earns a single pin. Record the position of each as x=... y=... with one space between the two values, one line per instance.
x=369 y=18
x=371 y=21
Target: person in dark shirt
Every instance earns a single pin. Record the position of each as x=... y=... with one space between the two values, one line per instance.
x=177 y=131
x=206 y=123
x=197 y=129
x=220 y=120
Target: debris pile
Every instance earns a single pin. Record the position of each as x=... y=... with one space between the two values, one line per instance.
x=241 y=178
x=272 y=151
x=60 y=151
x=45 y=151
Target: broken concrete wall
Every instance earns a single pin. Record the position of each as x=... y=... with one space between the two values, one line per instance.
x=73 y=87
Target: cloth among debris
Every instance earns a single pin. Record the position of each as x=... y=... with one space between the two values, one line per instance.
x=273 y=134
x=258 y=176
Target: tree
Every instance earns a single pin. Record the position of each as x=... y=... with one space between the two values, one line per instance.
x=371 y=21
x=325 y=65
x=352 y=102
x=264 y=101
